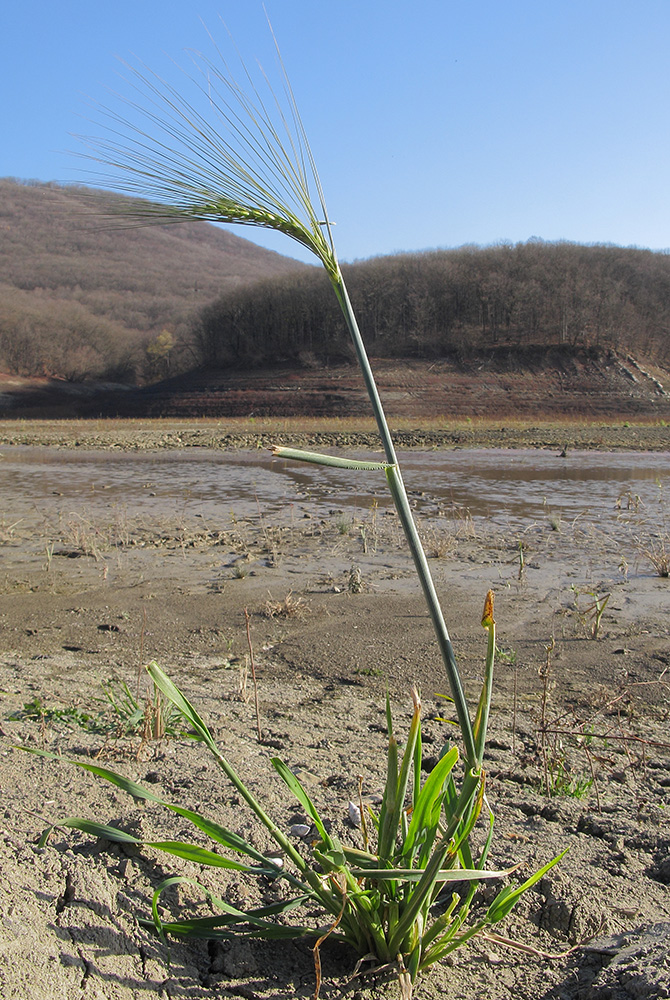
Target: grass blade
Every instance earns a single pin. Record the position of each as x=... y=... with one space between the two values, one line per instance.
x=215 y=831
x=387 y=831
x=179 y=849
x=200 y=928
x=508 y=896
x=110 y=833
x=172 y=692
x=428 y=808
x=444 y=875
x=396 y=787
x=203 y=856
x=290 y=780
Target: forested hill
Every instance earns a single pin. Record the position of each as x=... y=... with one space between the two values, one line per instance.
x=454 y=304
x=83 y=294
x=85 y=297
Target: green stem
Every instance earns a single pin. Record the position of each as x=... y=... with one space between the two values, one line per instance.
x=401 y=501
x=364 y=363
x=482 y=715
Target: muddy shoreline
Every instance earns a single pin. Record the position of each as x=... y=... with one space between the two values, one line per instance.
x=148 y=435
x=88 y=597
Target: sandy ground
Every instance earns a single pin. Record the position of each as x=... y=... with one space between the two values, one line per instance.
x=81 y=609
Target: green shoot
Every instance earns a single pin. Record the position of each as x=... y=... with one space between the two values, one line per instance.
x=593 y=611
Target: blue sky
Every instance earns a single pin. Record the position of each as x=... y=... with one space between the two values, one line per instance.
x=433 y=122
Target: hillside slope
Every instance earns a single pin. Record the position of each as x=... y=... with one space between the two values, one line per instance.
x=540 y=384
x=209 y=324
x=82 y=290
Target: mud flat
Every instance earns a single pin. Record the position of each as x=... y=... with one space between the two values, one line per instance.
x=92 y=587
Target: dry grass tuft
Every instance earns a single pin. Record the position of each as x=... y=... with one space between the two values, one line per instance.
x=438 y=542
x=658 y=554
x=290 y=607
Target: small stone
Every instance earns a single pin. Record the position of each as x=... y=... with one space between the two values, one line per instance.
x=354 y=814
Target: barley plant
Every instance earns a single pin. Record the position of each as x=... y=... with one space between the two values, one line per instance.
x=239 y=154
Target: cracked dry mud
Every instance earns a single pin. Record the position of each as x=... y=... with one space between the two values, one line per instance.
x=79 y=611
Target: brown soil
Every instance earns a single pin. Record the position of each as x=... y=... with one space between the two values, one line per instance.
x=533 y=383
x=540 y=383
x=79 y=610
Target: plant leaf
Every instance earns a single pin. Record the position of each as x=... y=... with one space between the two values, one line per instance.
x=450 y=803
x=220 y=834
x=331 y=460
x=203 y=856
x=111 y=833
x=428 y=807
x=444 y=875
x=508 y=896
x=215 y=831
x=172 y=692
x=126 y=784
x=388 y=829
x=394 y=794
x=482 y=716
x=290 y=780
x=197 y=928
x=207 y=926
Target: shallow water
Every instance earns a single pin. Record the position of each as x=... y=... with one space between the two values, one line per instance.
x=508 y=488
x=513 y=487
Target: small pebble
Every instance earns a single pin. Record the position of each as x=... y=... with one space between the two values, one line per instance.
x=354 y=814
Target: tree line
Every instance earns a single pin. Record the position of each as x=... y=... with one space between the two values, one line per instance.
x=451 y=303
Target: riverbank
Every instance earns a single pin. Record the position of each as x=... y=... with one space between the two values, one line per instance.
x=263 y=432
x=534 y=385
